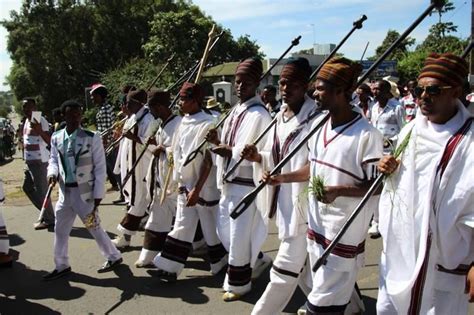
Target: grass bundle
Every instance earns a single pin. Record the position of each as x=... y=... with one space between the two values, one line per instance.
x=316 y=187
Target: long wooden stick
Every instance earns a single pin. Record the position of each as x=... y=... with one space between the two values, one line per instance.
x=211 y=35
x=192 y=155
x=378 y=181
x=250 y=197
x=46 y=201
x=357 y=24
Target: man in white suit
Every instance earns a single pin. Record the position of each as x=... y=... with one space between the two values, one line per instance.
x=77 y=157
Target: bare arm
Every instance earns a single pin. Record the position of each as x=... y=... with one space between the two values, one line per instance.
x=300 y=175
x=204 y=172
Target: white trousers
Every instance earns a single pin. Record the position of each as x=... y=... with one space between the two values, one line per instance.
x=161 y=216
x=183 y=233
x=66 y=212
x=161 y=221
x=284 y=276
x=4 y=242
x=330 y=287
x=138 y=209
x=237 y=238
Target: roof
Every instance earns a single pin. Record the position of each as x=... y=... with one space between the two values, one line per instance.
x=225 y=69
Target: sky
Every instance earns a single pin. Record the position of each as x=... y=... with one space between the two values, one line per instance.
x=273 y=24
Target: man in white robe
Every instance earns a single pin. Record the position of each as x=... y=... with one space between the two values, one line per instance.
x=427 y=214
x=198 y=196
x=162 y=212
x=244 y=236
x=287 y=201
x=342 y=156
x=144 y=127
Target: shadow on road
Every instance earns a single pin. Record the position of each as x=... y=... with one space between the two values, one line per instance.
x=13 y=298
x=6 y=161
x=187 y=289
x=82 y=232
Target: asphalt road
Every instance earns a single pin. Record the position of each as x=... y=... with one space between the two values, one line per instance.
x=127 y=290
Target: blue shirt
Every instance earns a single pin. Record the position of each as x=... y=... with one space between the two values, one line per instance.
x=69 y=161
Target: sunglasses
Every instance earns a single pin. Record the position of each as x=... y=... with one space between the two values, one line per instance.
x=429 y=89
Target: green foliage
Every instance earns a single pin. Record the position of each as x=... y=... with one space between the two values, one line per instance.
x=59 y=47
x=6 y=102
x=88 y=117
x=399 y=52
x=438 y=40
x=410 y=66
x=83 y=42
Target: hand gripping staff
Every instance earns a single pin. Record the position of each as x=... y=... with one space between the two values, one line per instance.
x=378 y=181
x=194 y=153
x=46 y=201
x=202 y=63
x=250 y=197
x=356 y=25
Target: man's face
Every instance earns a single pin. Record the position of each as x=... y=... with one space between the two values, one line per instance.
x=133 y=106
x=156 y=109
x=245 y=86
x=187 y=105
x=410 y=86
x=72 y=117
x=380 y=91
x=325 y=93
x=437 y=98
x=268 y=96
x=292 y=92
x=363 y=95
x=28 y=108
x=96 y=98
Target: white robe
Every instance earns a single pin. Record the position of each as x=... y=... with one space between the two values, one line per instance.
x=345 y=155
x=442 y=206
x=190 y=133
x=291 y=214
x=254 y=122
x=147 y=126
x=159 y=165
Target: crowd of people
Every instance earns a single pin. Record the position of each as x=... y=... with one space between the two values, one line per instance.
x=419 y=135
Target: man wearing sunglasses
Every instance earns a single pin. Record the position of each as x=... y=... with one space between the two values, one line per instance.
x=426 y=217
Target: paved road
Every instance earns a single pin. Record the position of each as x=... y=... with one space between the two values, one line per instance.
x=128 y=289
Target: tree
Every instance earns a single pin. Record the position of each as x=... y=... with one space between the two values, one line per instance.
x=189 y=29
x=399 y=52
x=84 y=40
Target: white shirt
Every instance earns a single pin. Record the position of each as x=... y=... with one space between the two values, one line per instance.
x=36 y=149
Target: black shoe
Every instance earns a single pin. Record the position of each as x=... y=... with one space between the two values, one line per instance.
x=55 y=274
x=109 y=265
x=163 y=275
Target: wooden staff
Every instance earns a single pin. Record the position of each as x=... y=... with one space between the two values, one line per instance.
x=196 y=81
x=357 y=24
x=111 y=147
x=250 y=197
x=46 y=201
x=375 y=186
x=192 y=155
x=161 y=71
